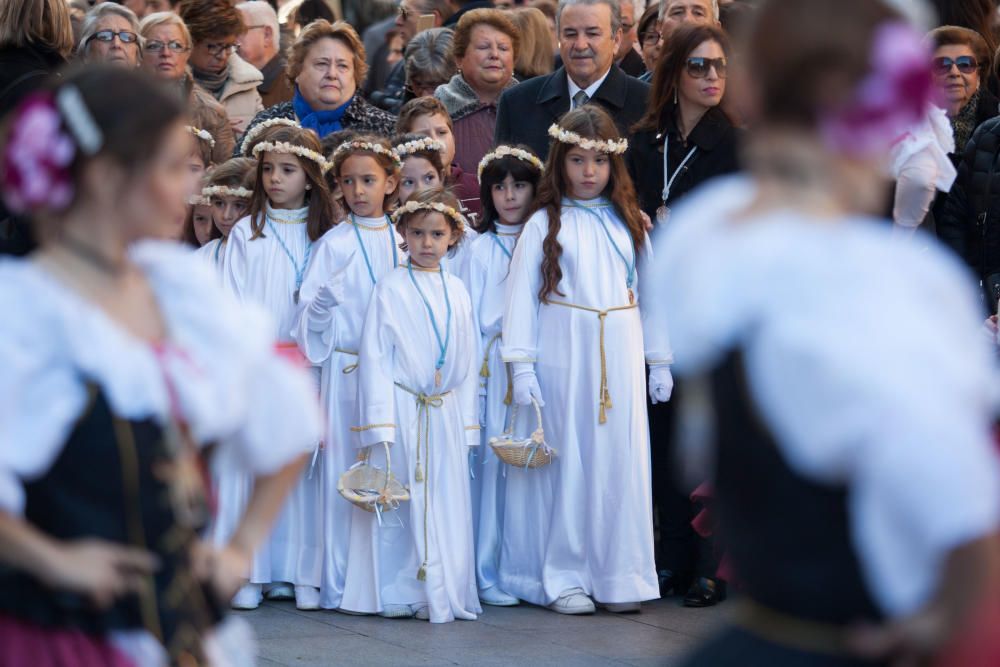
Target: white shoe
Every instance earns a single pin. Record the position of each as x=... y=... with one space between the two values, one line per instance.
x=622 y=607
x=573 y=602
x=421 y=612
x=396 y=611
x=280 y=592
x=306 y=598
x=248 y=597
x=498 y=598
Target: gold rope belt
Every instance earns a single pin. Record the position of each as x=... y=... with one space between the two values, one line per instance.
x=350 y=368
x=604 y=396
x=790 y=631
x=485 y=370
x=424 y=404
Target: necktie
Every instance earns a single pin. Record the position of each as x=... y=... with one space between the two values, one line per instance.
x=580 y=99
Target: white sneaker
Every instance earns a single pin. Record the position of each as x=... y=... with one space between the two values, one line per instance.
x=573 y=602
x=280 y=592
x=622 y=607
x=396 y=611
x=306 y=598
x=498 y=598
x=248 y=597
x=421 y=612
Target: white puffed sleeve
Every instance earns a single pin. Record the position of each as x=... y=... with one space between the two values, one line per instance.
x=376 y=359
x=234 y=272
x=520 y=317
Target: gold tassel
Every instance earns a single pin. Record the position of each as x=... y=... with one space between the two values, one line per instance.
x=419 y=474
x=422 y=572
x=509 y=398
x=485 y=370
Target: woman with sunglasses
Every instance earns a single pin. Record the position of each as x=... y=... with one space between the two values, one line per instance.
x=110 y=35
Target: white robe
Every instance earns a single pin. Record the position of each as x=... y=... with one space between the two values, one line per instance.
x=259 y=271
x=485 y=277
x=398 y=347
x=585 y=521
x=331 y=340
x=215 y=252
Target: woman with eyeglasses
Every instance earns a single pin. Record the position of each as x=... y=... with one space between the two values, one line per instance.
x=216 y=27
x=683 y=140
x=110 y=35
x=649 y=40
x=166 y=48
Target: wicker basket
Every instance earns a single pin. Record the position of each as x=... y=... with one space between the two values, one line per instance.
x=372 y=488
x=530 y=452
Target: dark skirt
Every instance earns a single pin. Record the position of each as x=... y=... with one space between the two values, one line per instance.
x=27 y=645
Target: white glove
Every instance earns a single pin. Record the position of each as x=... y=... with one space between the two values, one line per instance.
x=661 y=384
x=331 y=293
x=526 y=385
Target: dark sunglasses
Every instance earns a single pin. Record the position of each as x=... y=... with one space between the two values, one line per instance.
x=698 y=68
x=125 y=36
x=173 y=45
x=965 y=64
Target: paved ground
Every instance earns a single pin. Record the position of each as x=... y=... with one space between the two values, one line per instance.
x=526 y=636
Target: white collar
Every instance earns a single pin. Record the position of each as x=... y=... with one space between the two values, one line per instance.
x=590 y=90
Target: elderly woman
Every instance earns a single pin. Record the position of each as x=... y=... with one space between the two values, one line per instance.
x=962 y=62
x=649 y=40
x=429 y=62
x=110 y=34
x=326 y=65
x=165 y=52
x=485 y=47
x=216 y=26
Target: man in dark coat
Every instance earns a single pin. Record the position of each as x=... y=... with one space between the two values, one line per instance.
x=589 y=36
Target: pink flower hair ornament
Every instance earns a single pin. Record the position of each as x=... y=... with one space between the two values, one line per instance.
x=895 y=95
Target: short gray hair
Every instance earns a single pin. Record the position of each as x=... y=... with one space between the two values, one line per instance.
x=262 y=13
x=429 y=53
x=164 y=18
x=616 y=11
x=714 y=3
x=94 y=16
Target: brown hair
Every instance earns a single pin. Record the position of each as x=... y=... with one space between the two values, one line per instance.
x=237 y=172
x=421 y=106
x=432 y=196
x=534 y=58
x=590 y=122
x=495 y=172
x=383 y=161
x=684 y=39
x=320 y=216
x=25 y=23
x=323 y=29
x=823 y=48
x=211 y=19
x=494 y=18
x=434 y=157
x=188 y=234
x=951 y=35
x=546 y=7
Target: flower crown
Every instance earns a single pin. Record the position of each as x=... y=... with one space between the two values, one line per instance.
x=204 y=135
x=256 y=130
x=291 y=149
x=371 y=147
x=509 y=151
x=418 y=145
x=414 y=206
x=613 y=147
x=199 y=200
x=226 y=191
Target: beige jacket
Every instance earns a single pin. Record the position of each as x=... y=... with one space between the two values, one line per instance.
x=239 y=96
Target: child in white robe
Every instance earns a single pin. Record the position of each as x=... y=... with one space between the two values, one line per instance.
x=573 y=332
x=227 y=193
x=418 y=384
x=347 y=262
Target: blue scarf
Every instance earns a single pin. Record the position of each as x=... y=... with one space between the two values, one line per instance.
x=320 y=122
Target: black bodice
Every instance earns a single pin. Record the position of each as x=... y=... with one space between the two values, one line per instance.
x=111 y=481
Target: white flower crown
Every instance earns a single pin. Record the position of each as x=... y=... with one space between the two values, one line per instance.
x=226 y=191
x=255 y=131
x=615 y=147
x=291 y=149
x=369 y=146
x=204 y=135
x=509 y=151
x=417 y=145
x=414 y=206
x=199 y=200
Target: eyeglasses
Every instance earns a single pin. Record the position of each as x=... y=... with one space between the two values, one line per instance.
x=217 y=50
x=965 y=65
x=173 y=45
x=125 y=36
x=650 y=38
x=698 y=68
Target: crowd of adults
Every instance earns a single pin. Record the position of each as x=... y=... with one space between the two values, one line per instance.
x=505 y=71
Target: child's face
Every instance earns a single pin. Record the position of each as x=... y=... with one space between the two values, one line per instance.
x=227 y=210
x=201 y=216
x=284 y=180
x=587 y=172
x=511 y=199
x=438 y=127
x=417 y=175
x=365 y=184
x=194 y=171
x=428 y=238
